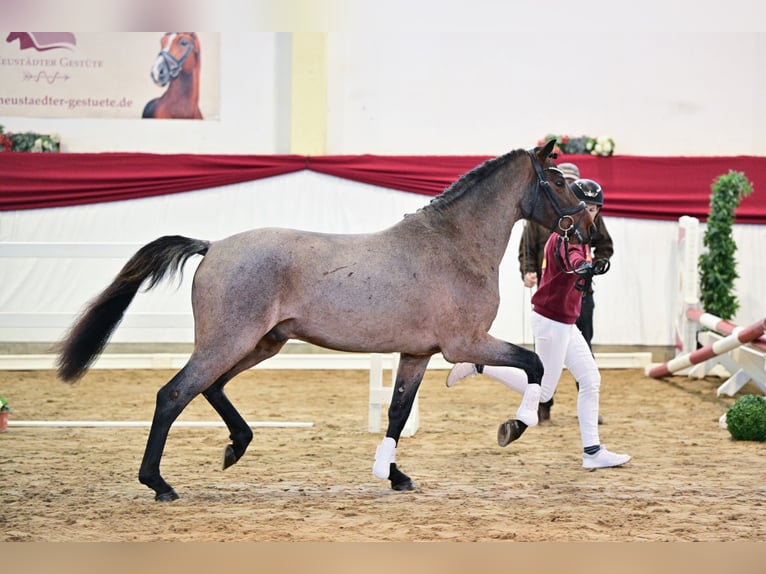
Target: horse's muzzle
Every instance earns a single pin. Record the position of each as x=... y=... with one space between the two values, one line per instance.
x=161 y=72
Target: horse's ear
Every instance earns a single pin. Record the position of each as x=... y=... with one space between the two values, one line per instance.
x=546 y=151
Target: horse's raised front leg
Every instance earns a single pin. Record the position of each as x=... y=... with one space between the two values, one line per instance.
x=408 y=377
x=488 y=350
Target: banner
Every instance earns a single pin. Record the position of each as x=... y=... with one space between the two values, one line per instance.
x=151 y=75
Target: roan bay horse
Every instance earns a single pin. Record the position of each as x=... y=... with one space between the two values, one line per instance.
x=427 y=284
x=177 y=64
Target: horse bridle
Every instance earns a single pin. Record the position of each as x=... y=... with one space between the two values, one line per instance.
x=562 y=214
x=174 y=65
x=585 y=272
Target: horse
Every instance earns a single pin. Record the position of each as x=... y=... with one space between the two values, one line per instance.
x=178 y=67
x=427 y=284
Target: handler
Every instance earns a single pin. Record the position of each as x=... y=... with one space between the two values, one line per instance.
x=567 y=271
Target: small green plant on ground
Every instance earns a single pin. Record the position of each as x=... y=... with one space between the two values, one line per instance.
x=746 y=418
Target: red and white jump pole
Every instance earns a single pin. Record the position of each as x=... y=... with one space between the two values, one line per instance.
x=738 y=337
x=721 y=326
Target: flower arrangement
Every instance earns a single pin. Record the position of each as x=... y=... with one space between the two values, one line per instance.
x=4 y=406
x=28 y=141
x=603 y=146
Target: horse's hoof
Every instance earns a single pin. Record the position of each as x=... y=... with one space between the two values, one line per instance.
x=168 y=496
x=404 y=486
x=509 y=431
x=399 y=480
x=229 y=457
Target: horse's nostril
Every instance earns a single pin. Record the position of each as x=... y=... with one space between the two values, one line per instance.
x=161 y=75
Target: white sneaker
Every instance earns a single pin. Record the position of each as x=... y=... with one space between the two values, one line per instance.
x=604 y=459
x=461 y=371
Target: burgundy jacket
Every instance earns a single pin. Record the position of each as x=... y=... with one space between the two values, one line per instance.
x=556 y=297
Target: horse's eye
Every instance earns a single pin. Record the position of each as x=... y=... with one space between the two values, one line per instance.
x=560 y=183
x=184 y=41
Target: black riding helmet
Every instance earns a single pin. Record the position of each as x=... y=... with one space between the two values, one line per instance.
x=588 y=191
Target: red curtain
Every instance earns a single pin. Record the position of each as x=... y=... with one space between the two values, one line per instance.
x=35 y=180
x=669 y=187
x=634 y=186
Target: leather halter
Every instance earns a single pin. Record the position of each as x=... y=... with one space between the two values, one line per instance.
x=562 y=214
x=172 y=66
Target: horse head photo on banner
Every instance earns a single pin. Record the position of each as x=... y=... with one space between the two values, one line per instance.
x=177 y=66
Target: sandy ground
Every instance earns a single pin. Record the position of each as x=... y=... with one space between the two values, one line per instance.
x=688 y=480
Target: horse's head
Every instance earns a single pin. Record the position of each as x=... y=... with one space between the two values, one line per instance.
x=552 y=203
x=179 y=52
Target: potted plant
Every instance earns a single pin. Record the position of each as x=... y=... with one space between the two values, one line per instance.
x=5 y=409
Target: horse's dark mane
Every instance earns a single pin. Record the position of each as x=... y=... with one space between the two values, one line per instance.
x=467 y=181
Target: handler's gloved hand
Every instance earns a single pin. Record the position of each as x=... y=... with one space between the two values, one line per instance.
x=601 y=266
x=585 y=274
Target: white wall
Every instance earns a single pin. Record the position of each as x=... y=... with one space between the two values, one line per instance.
x=420 y=92
x=654 y=93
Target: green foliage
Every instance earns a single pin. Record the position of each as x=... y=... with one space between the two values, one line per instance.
x=746 y=418
x=28 y=141
x=717 y=267
x=4 y=406
x=603 y=146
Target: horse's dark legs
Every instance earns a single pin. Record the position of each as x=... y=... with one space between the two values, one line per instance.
x=171 y=400
x=178 y=393
x=240 y=433
x=408 y=377
x=488 y=350
x=491 y=351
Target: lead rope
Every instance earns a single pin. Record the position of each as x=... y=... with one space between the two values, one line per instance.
x=527 y=256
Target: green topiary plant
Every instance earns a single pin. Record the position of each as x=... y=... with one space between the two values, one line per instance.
x=746 y=418
x=717 y=267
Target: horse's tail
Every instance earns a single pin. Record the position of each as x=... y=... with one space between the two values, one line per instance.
x=92 y=330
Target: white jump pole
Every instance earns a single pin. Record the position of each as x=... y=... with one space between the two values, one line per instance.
x=738 y=338
x=721 y=326
x=147 y=424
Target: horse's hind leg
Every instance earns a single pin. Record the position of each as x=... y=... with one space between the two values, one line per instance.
x=240 y=432
x=408 y=377
x=171 y=400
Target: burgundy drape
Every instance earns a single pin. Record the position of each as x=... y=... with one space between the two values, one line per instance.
x=35 y=180
x=669 y=187
x=634 y=186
